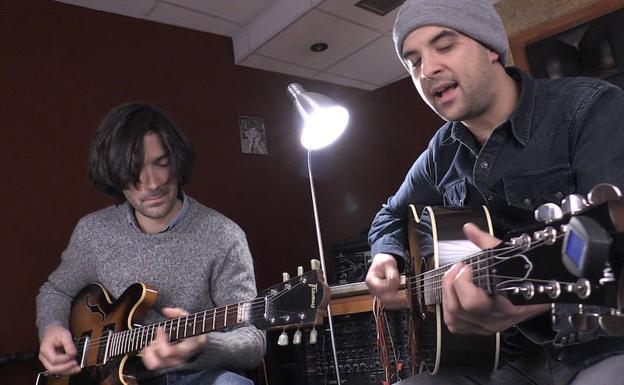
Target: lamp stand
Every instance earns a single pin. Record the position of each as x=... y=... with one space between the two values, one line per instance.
x=322 y=257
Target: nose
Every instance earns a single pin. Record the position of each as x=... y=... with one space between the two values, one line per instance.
x=430 y=66
x=150 y=178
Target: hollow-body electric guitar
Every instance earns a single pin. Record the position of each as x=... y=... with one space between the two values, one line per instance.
x=108 y=338
x=527 y=269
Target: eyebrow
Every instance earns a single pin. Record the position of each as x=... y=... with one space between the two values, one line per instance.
x=160 y=158
x=440 y=35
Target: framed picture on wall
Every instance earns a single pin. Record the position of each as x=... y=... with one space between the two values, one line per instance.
x=252 y=135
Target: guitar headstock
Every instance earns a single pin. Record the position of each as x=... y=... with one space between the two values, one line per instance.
x=576 y=258
x=297 y=302
x=573 y=259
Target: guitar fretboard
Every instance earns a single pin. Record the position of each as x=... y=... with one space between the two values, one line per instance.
x=432 y=280
x=178 y=328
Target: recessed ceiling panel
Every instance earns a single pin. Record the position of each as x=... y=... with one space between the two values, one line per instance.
x=240 y=12
x=376 y=63
x=265 y=63
x=348 y=10
x=292 y=45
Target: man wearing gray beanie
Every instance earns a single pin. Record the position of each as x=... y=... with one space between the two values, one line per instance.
x=510 y=143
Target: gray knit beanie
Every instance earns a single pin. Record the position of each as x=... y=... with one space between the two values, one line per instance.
x=474 y=18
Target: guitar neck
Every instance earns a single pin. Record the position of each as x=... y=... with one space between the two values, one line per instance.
x=133 y=340
x=432 y=280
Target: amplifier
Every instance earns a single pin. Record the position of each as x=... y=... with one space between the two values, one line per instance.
x=356 y=347
x=351 y=267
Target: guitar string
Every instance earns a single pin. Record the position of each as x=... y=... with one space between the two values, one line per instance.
x=173 y=324
x=436 y=280
x=220 y=312
x=434 y=276
x=255 y=304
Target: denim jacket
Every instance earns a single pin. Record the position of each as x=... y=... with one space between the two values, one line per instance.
x=565 y=136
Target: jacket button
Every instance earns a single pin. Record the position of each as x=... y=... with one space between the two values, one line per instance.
x=484 y=164
x=490 y=198
x=527 y=202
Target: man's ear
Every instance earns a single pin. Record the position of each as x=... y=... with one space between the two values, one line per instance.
x=494 y=56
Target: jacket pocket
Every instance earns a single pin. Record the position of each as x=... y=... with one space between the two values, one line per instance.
x=534 y=188
x=454 y=192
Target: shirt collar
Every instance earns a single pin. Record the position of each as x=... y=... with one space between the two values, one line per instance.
x=521 y=117
x=181 y=214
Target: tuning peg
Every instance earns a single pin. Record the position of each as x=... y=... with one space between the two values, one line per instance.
x=522 y=240
x=582 y=288
x=547 y=235
x=283 y=339
x=299 y=271
x=297 y=337
x=553 y=289
x=548 y=212
x=573 y=204
x=313 y=336
x=583 y=321
x=527 y=290
x=604 y=192
x=315 y=264
x=285 y=277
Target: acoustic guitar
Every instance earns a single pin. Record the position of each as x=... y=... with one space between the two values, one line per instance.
x=528 y=269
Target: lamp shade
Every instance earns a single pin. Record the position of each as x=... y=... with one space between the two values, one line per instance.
x=324 y=119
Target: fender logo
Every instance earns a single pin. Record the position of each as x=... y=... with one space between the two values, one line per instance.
x=313 y=289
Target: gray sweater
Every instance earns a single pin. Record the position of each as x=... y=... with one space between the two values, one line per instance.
x=202 y=262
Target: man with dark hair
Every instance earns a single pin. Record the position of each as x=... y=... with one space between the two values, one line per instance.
x=510 y=143
x=195 y=257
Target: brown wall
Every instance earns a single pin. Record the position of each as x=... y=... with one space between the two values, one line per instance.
x=63 y=67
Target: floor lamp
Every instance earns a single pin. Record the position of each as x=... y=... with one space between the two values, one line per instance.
x=324 y=121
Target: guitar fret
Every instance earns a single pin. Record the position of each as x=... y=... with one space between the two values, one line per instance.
x=214 y=318
x=225 y=316
x=241 y=313
x=112 y=344
x=126 y=342
x=204 y=322
x=185 y=327
x=194 y=323
x=143 y=337
x=131 y=339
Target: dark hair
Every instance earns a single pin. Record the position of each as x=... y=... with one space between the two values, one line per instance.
x=116 y=151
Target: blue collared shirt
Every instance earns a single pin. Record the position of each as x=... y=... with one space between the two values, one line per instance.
x=565 y=136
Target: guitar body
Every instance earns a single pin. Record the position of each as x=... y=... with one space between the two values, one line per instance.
x=435 y=236
x=93 y=316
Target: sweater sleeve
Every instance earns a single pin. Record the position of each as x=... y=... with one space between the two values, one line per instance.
x=74 y=273
x=233 y=281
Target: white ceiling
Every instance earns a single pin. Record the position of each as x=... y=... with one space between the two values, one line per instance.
x=276 y=35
